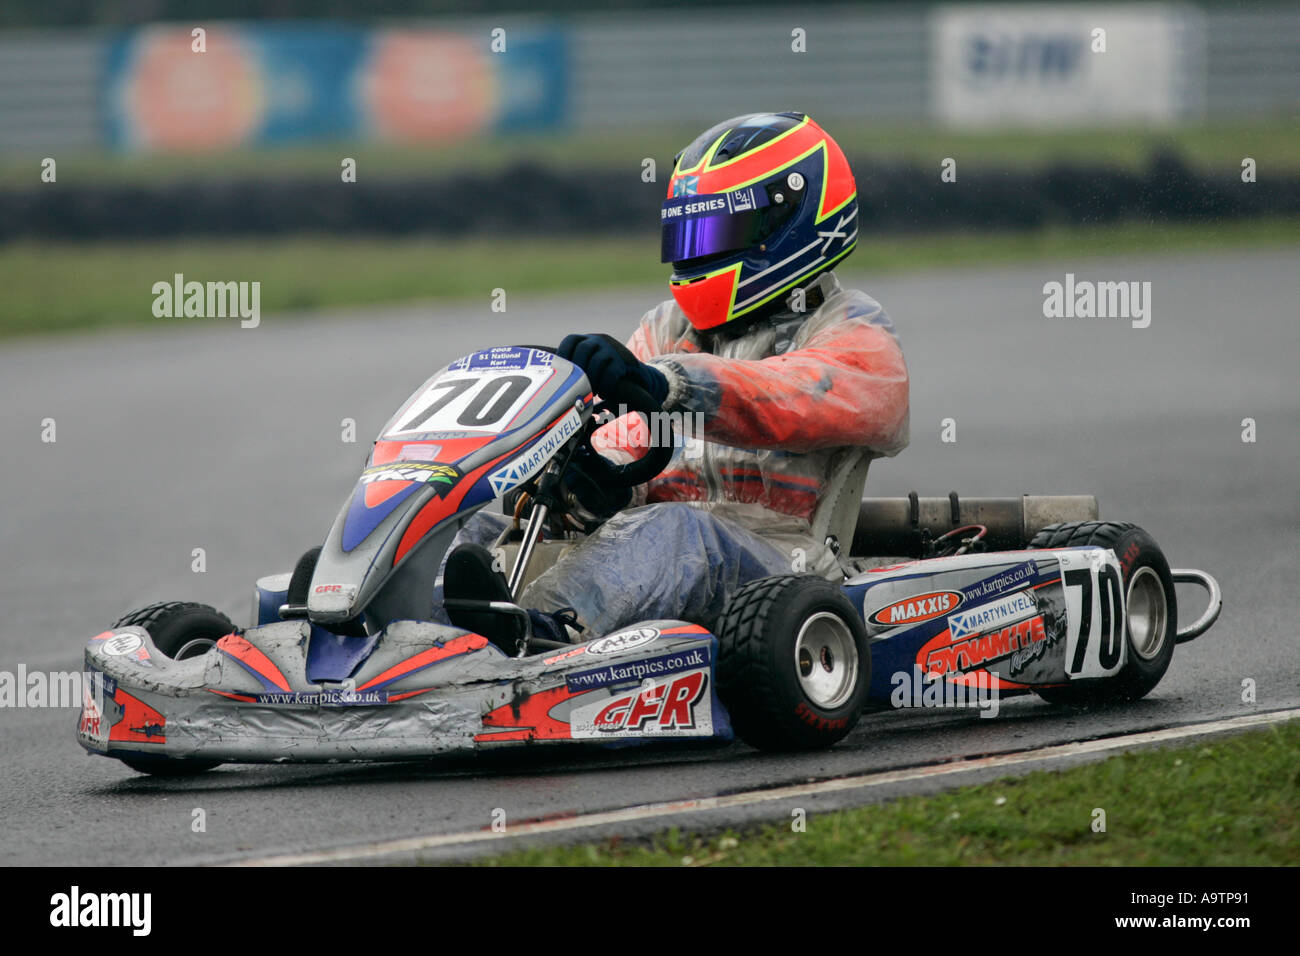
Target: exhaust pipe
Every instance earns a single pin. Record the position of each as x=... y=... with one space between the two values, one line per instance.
x=902 y=526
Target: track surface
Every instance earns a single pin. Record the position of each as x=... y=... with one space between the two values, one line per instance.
x=215 y=437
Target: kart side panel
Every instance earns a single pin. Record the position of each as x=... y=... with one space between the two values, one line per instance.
x=1006 y=621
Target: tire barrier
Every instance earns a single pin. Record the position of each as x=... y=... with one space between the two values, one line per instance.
x=543 y=201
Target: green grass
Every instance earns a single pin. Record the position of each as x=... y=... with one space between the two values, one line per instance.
x=63 y=286
x=1273 y=142
x=1232 y=801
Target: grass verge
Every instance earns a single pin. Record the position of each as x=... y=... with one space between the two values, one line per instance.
x=1232 y=801
x=61 y=286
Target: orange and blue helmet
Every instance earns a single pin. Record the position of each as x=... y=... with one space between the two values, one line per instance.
x=757 y=206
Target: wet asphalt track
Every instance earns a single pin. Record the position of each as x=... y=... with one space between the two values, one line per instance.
x=227 y=439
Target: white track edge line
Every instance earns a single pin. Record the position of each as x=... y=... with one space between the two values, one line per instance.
x=752 y=797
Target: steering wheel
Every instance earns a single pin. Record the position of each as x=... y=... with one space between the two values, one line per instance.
x=638 y=472
x=656 y=458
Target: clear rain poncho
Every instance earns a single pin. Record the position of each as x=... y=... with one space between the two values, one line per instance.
x=784 y=409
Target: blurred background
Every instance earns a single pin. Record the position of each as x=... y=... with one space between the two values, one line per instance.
x=139 y=138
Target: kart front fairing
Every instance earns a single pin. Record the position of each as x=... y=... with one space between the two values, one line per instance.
x=423 y=689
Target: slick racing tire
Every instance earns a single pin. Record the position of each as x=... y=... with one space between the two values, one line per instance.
x=793 y=665
x=181 y=630
x=1150 y=609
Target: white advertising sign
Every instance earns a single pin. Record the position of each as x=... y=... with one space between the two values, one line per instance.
x=1060 y=65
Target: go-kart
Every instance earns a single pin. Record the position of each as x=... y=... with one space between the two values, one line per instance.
x=350 y=657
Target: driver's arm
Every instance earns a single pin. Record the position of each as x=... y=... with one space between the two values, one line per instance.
x=847 y=385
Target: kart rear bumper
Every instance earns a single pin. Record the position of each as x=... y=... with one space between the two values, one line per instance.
x=1214 y=603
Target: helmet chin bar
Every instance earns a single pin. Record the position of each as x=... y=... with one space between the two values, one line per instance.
x=704 y=318
x=707 y=300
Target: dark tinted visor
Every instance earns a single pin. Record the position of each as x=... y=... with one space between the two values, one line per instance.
x=706 y=225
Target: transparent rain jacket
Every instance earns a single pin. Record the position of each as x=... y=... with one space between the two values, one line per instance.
x=778 y=407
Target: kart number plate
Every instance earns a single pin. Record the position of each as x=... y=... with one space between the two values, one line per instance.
x=483 y=400
x=1095 y=641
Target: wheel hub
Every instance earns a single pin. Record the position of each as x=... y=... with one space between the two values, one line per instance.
x=195 y=648
x=1148 y=614
x=826 y=658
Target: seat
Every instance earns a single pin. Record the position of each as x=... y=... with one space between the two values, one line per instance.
x=837 y=512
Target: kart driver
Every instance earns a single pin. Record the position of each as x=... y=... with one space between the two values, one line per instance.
x=791 y=375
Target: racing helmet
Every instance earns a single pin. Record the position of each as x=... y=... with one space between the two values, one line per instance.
x=756 y=206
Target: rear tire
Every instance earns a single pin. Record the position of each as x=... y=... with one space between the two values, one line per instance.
x=793 y=664
x=1150 y=608
x=181 y=630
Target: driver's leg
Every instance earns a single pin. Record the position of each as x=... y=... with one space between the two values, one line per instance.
x=482 y=528
x=666 y=560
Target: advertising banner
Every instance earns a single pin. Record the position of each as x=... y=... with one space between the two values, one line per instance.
x=1044 y=65
x=169 y=89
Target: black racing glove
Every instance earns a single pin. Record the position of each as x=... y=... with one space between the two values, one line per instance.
x=607 y=361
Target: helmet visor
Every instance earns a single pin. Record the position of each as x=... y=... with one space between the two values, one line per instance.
x=706 y=225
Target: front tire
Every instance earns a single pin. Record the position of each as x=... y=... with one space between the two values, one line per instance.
x=156 y=765
x=793 y=664
x=181 y=630
x=300 y=587
x=1150 y=609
